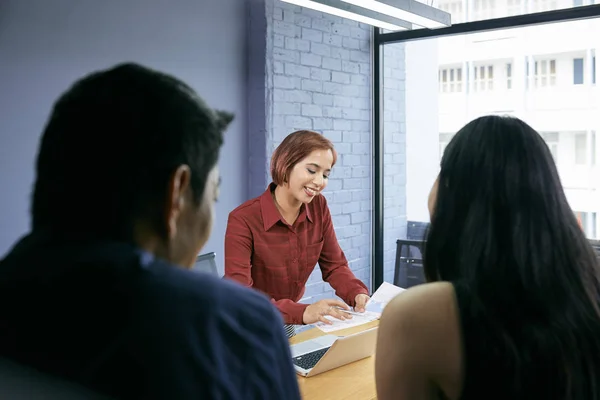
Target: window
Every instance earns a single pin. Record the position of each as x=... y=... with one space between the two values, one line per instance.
x=580 y=149
x=483 y=9
x=513 y=7
x=444 y=141
x=587 y=222
x=577 y=3
x=528 y=72
x=551 y=139
x=483 y=78
x=593 y=146
x=542 y=5
x=593 y=70
x=455 y=8
x=450 y=80
x=544 y=73
x=578 y=71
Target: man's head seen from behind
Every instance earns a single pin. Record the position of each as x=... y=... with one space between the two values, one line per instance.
x=130 y=154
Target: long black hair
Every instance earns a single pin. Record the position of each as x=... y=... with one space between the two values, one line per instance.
x=502 y=229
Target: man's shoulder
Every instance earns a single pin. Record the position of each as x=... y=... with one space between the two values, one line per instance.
x=214 y=300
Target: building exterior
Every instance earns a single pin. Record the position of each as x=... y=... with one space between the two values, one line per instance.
x=545 y=75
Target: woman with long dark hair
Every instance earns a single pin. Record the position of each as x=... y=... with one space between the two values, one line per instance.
x=511 y=308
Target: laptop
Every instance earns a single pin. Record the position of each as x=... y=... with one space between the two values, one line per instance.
x=324 y=353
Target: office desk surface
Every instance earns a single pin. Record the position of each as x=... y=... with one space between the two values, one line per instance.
x=354 y=381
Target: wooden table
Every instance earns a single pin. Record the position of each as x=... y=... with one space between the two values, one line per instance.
x=354 y=381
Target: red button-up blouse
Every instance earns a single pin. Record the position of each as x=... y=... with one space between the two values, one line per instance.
x=264 y=252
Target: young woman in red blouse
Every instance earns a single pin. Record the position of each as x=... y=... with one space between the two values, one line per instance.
x=274 y=241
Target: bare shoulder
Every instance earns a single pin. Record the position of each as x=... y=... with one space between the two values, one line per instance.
x=422 y=323
x=423 y=302
x=425 y=312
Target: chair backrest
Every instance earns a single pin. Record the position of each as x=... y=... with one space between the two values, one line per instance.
x=595 y=245
x=408 y=270
x=206 y=263
x=18 y=382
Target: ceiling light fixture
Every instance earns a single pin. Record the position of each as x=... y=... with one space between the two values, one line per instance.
x=353 y=12
x=408 y=10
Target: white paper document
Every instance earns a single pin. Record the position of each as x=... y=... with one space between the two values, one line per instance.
x=375 y=306
x=357 y=319
x=382 y=296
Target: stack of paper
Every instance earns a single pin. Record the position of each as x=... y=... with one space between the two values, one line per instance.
x=375 y=306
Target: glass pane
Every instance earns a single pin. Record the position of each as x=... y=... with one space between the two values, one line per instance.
x=394 y=137
x=567 y=114
x=477 y=10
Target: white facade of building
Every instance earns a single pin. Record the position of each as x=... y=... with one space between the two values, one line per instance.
x=545 y=75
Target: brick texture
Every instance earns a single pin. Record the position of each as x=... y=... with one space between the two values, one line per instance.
x=394 y=131
x=317 y=76
x=310 y=70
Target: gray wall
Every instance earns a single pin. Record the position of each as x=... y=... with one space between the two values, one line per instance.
x=46 y=45
x=279 y=67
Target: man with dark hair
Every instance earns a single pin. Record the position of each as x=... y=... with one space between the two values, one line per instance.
x=98 y=292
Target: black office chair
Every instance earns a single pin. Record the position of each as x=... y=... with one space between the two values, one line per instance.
x=408 y=270
x=206 y=263
x=596 y=246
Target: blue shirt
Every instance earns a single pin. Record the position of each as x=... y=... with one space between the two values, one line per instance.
x=125 y=324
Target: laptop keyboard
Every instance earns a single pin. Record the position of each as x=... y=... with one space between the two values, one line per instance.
x=309 y=360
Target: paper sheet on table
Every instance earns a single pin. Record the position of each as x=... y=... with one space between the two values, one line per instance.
x=382 y=296
x=375 y=306
x=357 y=319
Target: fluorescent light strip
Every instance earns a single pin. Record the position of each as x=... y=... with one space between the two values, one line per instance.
x=396 y=12
x=329 y=9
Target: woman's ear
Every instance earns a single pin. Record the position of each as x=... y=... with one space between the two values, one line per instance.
x=433 y=194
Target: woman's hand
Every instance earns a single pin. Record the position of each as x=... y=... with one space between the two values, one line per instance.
x=360 y=302
x=317 y=311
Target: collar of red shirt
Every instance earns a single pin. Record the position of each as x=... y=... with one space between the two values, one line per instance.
x=270 y=213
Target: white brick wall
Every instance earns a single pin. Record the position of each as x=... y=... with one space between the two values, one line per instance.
x=394 y=130
x=315 y=73
x=321 y=81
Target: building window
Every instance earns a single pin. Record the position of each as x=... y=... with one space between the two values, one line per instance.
x=509 y=76
x=593 y=146
x=542 y=5
x=444 y=141
x=551 y=139
x=593 y=70
x=483 y=9
x=450 y=80
x=513 y=7
x=587 y=223
x=544 y=73
x=483 y=78
x=455 y=8
x=578 y=71
x=580 y=149
x=577 y=3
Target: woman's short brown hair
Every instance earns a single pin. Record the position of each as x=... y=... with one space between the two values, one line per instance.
x=294 y=148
